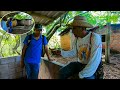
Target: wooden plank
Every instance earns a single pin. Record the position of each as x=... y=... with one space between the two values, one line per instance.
x=39 y=15
x=107 y=39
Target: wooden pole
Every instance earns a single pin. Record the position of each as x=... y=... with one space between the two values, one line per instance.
x=107 y=46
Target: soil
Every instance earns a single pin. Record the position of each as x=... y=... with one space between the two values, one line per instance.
x=112 y=70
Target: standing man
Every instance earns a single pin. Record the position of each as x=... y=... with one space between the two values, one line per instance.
x=4 y=24
x=31 y=52
x=88 y=46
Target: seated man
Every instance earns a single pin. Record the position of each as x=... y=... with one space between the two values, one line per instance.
x=88 y=49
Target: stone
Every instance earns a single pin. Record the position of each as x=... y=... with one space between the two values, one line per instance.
x=12 y=71
x=11 y=65
x=7 y=60
x=17 y=58
x=4 y=68
x=4 y=61
x=11 y=59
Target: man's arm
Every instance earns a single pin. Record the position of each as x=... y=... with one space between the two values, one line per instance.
x=22 y=56
x=23 y=52
x=47 y=52
x=45 y=43
x=95 y=58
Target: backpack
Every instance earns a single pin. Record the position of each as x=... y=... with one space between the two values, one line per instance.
x=30 y=37
x=99 y=72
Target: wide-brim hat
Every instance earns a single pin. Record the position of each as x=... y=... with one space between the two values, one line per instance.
x=80 y=21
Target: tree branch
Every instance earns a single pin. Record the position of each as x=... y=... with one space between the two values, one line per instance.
x=57 y=22
x=53 y=31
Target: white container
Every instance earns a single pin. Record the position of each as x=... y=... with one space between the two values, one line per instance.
x=26 y=22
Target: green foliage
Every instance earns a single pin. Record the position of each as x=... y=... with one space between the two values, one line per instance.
x=22 y=15
x=9 y=44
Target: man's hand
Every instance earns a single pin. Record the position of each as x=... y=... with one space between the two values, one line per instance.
x=79 y=76
x=50 y=59
x=22 y=64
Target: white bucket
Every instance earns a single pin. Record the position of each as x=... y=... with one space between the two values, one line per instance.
x=26 y=22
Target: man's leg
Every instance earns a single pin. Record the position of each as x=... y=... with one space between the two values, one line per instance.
x=35 y=71
x=80 y=67
x=10 y=30
x=28 y=70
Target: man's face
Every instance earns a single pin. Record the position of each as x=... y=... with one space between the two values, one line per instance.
x=78 y=31
x=10 y=19
x=37 y=31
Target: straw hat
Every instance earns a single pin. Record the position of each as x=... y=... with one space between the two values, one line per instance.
x=81 y=21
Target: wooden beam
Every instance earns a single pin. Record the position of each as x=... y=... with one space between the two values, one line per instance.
x=107 y=46
x=39 y=15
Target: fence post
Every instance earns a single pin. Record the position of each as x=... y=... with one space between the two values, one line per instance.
x=107 y=46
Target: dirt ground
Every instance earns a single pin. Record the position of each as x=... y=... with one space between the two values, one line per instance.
x=111 y=71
